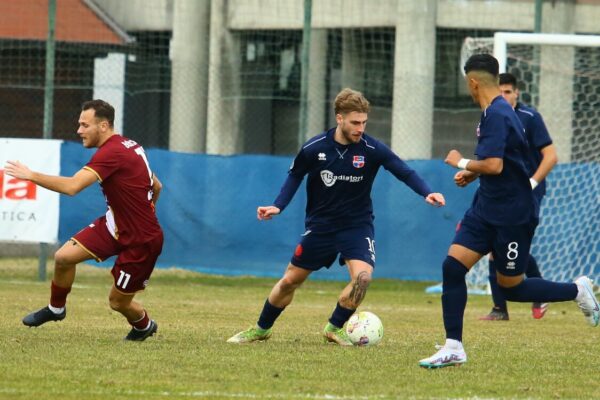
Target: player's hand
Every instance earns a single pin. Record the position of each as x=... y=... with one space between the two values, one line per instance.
x=453 y=158
x=266 y=213
x=463 y=178
x=436 y=199
x=17 y=170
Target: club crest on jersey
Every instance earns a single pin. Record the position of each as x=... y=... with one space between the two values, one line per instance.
x=322 y=157
x=358 y=161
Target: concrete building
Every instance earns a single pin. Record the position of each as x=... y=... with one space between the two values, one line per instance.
x=235 y=68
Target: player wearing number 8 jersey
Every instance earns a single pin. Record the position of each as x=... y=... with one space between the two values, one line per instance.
x=502 y=217
x=544 y=157
x=129 y=229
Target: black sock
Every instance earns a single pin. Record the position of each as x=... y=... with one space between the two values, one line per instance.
x=340 y=316
x=538 y=290
x=268 y=315
x=497 y=295
x=454 y=297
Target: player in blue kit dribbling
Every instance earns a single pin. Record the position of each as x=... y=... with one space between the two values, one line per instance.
x=341 y=165
x=502 y=217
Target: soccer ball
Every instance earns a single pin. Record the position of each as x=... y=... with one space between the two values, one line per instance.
x=364 y=329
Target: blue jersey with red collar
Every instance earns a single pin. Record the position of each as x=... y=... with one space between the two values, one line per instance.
x=340 y=178
x=506 y=198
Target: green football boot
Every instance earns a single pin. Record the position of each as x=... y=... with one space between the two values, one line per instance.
x=333 y=334
x=251 y=335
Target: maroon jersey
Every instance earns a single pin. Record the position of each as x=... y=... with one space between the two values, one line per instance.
x=126 y=179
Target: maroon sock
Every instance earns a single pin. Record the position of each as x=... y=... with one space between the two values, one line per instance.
x=141 y=323
x=58 y=295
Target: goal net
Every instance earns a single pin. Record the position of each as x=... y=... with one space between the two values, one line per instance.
x=559 y=75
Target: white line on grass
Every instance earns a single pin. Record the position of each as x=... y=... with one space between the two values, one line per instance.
x=202 y=394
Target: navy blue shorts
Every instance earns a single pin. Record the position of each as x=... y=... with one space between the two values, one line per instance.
x=509 y=244
x=318 y=250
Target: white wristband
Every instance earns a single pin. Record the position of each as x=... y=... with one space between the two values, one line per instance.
x=533 y=182
x=462 y=164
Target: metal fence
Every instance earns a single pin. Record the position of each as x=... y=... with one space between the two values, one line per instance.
x=232 y=77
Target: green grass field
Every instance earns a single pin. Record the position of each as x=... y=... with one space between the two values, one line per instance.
x=84 y=357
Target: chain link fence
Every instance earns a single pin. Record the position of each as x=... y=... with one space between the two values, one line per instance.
x=225 y=77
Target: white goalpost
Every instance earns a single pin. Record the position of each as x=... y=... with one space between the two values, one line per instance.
x=502 y=39
x=559 y=75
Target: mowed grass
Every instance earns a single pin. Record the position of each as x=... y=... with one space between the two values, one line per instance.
x=84 y=356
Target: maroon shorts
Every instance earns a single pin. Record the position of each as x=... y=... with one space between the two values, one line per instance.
x=134 y=264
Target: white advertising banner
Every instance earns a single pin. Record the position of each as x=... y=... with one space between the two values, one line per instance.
x=29 y=213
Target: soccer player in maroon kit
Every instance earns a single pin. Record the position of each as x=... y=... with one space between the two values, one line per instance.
x=129 y=229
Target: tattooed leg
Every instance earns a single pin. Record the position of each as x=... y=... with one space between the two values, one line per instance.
x=355 y=292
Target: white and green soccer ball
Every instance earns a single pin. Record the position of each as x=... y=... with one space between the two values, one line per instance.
x=364 y=329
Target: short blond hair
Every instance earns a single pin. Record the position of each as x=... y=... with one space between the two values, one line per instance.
x=349 y=100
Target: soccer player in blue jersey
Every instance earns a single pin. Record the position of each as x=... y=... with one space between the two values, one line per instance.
x=501 y=219
x=543 y=154
x=341 y=165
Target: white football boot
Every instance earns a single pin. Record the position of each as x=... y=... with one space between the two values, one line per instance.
x=452 y=353
x=586 y=300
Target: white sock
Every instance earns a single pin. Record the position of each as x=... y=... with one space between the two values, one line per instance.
x=453 y=344
x=146 y=328
x=56 y=310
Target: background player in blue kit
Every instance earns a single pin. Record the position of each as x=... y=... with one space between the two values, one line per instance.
x=341 y=165
x=544 y=158
x=502 y=217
